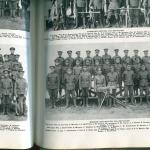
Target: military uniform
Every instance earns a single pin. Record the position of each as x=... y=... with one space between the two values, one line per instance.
x=12 y=56
x=60 y=60
x=116 y=57
x=6 y=86
x=69 y=80
x=6 y=64
x=52 y=85
x=88 y=58
x=126 y=60
x=85 y=84
x=70 y=59
x=145 y=58
x=78 y=58
x=21 y=92
x=97 y=57
x=106 y=57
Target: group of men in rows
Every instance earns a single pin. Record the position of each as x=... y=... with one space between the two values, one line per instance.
x=75 y=76
x=13 y=86
x=14 y=8
x=99 y=13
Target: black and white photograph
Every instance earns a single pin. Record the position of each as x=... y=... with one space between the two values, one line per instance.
x=13 y=83
x=15 y=14
x=86 y=14
x=98 y=81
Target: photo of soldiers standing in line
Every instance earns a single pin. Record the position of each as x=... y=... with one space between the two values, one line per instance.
x=77 y=14
x=13 y=85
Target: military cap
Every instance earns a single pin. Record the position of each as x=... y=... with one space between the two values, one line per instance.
x=69 y=51
x=126 y=50
x=145 y=51
x=97 y=50
x=59 y=51
x=12 y=48
x=116 y=50
x=77 y=52
x=136 y=51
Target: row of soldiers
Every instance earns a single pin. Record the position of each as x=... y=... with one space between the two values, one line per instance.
x=75 y=76
x=14 y=8
x=13 y=86
x=99 y=13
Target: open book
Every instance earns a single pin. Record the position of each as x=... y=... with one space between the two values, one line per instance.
x=75 y=74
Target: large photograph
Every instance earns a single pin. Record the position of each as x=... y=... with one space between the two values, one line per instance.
x=13 y=83
x=98 y=81
x=15 y=14
x=83 y=14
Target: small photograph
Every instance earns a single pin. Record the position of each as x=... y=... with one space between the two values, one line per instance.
x=98 y=81
x=86 y=14
x=15 y=14
x=13 y=84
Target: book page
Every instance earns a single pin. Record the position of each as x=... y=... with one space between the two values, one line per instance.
x=15 y=75
x=93 y=75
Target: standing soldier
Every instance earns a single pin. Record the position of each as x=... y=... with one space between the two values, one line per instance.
x=6 y=85
x=133 y=7
x=128 y=78
x=71 y=60
x=136 y=67
x=77 y=71
x=112 y=80
x=126 y=60
x=106 y=56
x=97 y=57
x=85 y=84
x=116 y=56
x=12 y=56
x=69 y=81
x=145 y=58
x=143 y=76
x=113 y=9
x=52 y=85
x=99 y=85
x=79 y=58
x=97 y=6
x=88 y=57
x=2 y=5
x=60 y=58
x=21 y=93
x=80 y=8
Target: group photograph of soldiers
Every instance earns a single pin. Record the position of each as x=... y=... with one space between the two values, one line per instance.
x=13 y=86
x=15 y=14
x=103 y=78
x=83 y=14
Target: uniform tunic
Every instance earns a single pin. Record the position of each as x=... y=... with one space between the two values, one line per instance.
x=60 y=60
x=143 y=75
x=99 y=58
x=71 y=61
x=69 y=81
x=106 y=57
x=21 y=86
x=90 y=59
x=80 y=59
x=146 y=59
x=99 y=82
x=97 y=4
x=112 y=78
x=128 y=77
x=116 y=57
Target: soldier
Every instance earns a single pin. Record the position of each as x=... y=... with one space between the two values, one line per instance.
x=99 y=85
x=97 y=6
x=77 y=71
x=112 y=80
x=128 y=78
x=71 y=60
x=1 y=57
x=79 y=58
x=60 y=58
x=133 y=7
x=116 y=56
x=12 y=56
x=145 y=58
x=113 y=8
x=21 y=93
x=143 y=76
x=136 y=67
x=106 y=56
x=126 y=60
x=69 y=81
x=97 y=57
x=2 y=5
x=85 y=84
x=52 y=85
x=106 y=68
x=88 y=57
x=89 y=66
x=80 y=8
x=6 y=86
x=6 y=64
x=13 y=7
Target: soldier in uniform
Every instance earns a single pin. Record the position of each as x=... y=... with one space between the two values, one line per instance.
x=106 y=56
x=69 y=81
x=97 y=57
x=80 y=8
x=97 y=6
x=6 y=64
x=106 y=68
x=136 y=60
x=79 y=58
x=1 y=57
x=128 y=78
x=21 y=93
x=77 y=69
x=2 y=5
x=97 y=65
x=112 y=80
x=144 y=77
x=113 y=8
x=88 y=57
x=116 y=56
x=126 y=60
x=6 y=86
x=12 y=56
x=99 y=85
x=52 y=85
x=145 y=58
x=60 y=58
x=134 y=11
x=85 y=84
x=71 y=60
x=13 y=7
